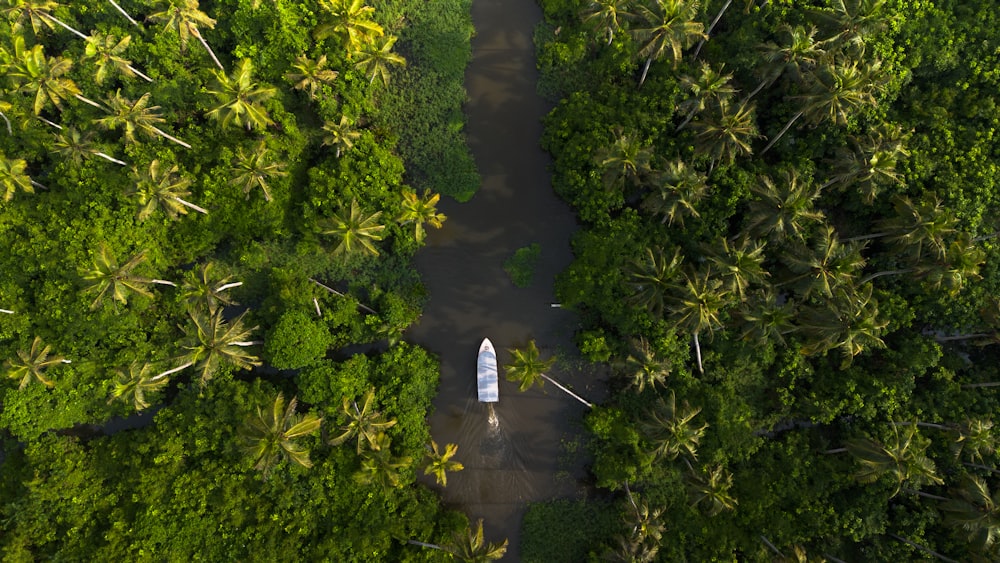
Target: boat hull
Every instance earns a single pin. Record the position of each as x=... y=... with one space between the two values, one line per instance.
x=487 y=375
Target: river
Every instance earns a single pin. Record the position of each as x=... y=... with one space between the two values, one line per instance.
x=471 y=297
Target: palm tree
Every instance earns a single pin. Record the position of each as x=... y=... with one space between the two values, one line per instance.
x=976 y=512
x=35 y=12
x=828 y=264
x=31 y=365
x=764 y=319
x=631 y=549
x=627 y=159
x=107 y=276
x=652 y=277
x=798 y=56
x=439 y=464
x=340 y=135
x=270 y=435
x=664 y=26
x=670 y=429
x=185 y=17
x=606 y=16
x=253 y=170
x=784 y=209
x=157 y=189
x=976 y=438
x=211 y=340
x=107 y=51
x=73 y=145
x=903 y=459
x=13 y=177
x=850 y=322
x=741 y=264
x=960 y=264
x=697 y=306
x=376 y=60
x=133 y=385
x=379 y=466
x=472 y=548
x=419 y=210
x=527 y=370
x=365 y=423
x=349 y=20
x=124 y=13
x=240 y=98
x=871 y=162
x=710 y=88
x=677 y=189
x=310 y=75
x=31 y=72
x=927 y=222
x=643 y=367
x=710 y=488
x=355 y=231
x=726 y=133
x=205 y=291
x=137 y=116
x=854 y=20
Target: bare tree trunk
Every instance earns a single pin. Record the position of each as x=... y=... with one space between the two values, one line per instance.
x=88 y=101
x=188 y=204
x=978 y=385
x=645 y=69
x=339 y=294
x=137 y=71
x=194 y=30
x=708 y=32
x=768 y=543
x=755 y=91
x=922 y=548
x=885 y=273
x=124 y=13
x=37 y=185
x=163 y=282
x=173 y=370
x=422 y=544
x=160 y=132
x=64 y=26
x=316 y=303
x=697 y=351
x=228 y=286
x=960 y=337
x=985 y=467
x=7 y=311
x=106 y=157
x=7 y=121
x=782 y=132
x=571 y=394
x=49 y=123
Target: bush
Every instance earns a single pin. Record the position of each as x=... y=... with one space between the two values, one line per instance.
x=296 y=341
x=521 y=266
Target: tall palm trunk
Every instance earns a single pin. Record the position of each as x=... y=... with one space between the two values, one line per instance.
x=645 y=70
x=88 y=101
x=708 y=32
x=124 y=13
x=197 y=33
x=922 y=548
x=571 y=394
x=783 y=131
x=167 y=136
x=63 y=25
x=697 y=351
x=7 y=121
x=110 y=158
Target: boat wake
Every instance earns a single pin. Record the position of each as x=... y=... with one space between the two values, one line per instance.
x=493 y=420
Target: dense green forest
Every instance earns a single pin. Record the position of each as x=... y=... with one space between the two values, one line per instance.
x=789 y=261
x=209 y=209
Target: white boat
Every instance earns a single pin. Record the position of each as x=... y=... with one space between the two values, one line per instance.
x=486 y=373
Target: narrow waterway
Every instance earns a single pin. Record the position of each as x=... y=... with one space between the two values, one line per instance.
x=517 y=460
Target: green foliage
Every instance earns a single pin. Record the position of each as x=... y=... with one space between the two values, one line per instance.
x=296 y=341
x=563 y=530
x=521 y=265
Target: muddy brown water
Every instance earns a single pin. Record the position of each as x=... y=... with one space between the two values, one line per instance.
x=521 y=460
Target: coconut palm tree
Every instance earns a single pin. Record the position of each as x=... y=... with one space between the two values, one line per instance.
x=418 y=210
x=185 y=17
x=355 y=230
x=852 y=21
x=211 y=341
x=850 y=321
x=797 y=56
x=710 y=88
x=976 y=439
x=927 y=222
x=73 y=145
x=106 y=277
x=340 y=135
x=871 y=162
x=365 y=423
x=379 y=466
x=665 y=26
x=32 y=364
x=439 y=464
x=606 y=16
x=725 y=133
x=134 y=117
x=271 y=434
x=676 y=191
x=741 y=264
x=627 y=159
x=824 y=266
x=31 y=72
x=376 y=60
x=13 y=177
x=106 y=50
x=133 y=385
x=253 y=170
x=902 y=458
x=764 y=319
x=709 y=488
x=671 y=431
x=784 y=209
x=240 y=98
x=528 y=370
x=697 y=306
x=642 y=366
x=976 y=511
x=350 y=21
x=309 y=75
x=161 y=189
x=471 y=547
x=959 y=265
x=652 y=277
x=34 y=12
x=205 y=290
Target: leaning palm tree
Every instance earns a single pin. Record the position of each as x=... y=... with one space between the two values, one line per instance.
x=725 y=133
x=741 y=264
x=13 y=177
x=440 y=463
x=764 y=319
x=161 y=189
x=676 y=190
x=350 y=21
x=341 y=134
x=652 y=277
x=380 y=467
x=365 y=423
x=903 y=459
x=31 y=72
x=135 y=117
x=32 y=364
x=708 y=88
x=376 y=60
x=205 y=290
x=871 y=162
x=133 y=385
x=106 y=277
x=253 y=169
x=976 y=511
x=270 y=435
x=211 y=341
x=626 y=159
x=796 y=57
x=643 y=367
x=665 y=26
x=355 y=230
x=697 y=307
x=785 y=208
x=671 y=431
x=74 y=146
x=850 y=322
x=710 y=489
x=310 y=75
x=606 y=16
x=419 y=210
x=528 y=370
x=240 y=98
x=185 y=17
x=33 y=12
x=825 y=265
x=107 y=51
